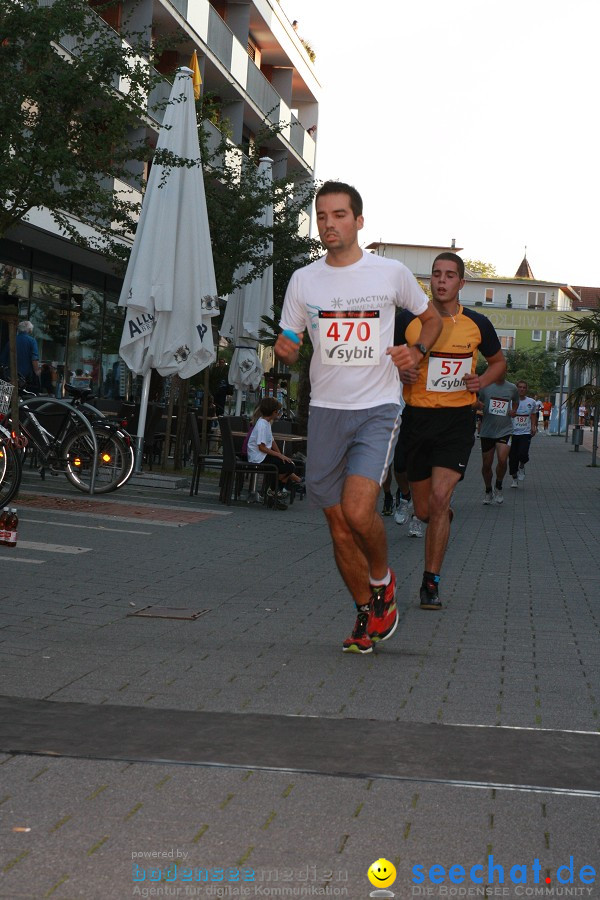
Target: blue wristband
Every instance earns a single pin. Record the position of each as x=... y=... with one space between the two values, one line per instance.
x=291 y=335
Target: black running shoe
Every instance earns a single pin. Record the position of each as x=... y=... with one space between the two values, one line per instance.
x=429 y=596
x=388 y=505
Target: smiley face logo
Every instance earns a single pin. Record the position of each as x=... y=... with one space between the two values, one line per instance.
x=381 y=873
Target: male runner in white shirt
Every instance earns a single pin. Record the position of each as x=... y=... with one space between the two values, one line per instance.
x=347 y=301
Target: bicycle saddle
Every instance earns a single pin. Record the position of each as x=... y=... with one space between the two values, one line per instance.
x=82 y=394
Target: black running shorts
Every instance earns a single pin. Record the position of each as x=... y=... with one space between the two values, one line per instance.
x=399 y=455
x=437 y=438
x=488 y=443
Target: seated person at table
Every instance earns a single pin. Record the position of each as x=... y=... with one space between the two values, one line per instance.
x=262 y=446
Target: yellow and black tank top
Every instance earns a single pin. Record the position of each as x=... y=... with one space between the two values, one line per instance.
x=454 y=355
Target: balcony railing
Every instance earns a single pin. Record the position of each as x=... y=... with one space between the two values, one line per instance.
x=181 y=6
x=297 y=135
x=157 y=100
x=220 y=38
x=213 y=141
x=262 y=92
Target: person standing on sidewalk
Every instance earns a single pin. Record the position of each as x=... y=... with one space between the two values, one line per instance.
x=438 y=423
x=28 y=356
x=499 y=402
x=524 y=428
x=347 y=300
x=546 y=412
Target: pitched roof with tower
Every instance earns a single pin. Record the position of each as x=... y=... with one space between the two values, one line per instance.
x=524 y=270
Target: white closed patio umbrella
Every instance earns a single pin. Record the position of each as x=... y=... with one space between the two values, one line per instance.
x=242 y=321
x=170 y=290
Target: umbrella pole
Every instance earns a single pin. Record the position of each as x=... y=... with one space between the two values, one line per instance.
x=175 y=384
x=139 y=441
x=205 y=411
x=238 y=401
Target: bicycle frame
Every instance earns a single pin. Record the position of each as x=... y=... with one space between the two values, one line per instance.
x=44 y=440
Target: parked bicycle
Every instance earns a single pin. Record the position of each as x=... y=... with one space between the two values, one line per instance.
x=71 y=437
x=10 y=467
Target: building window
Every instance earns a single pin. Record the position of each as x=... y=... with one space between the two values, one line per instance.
x=536 y=335
x=536 y=299
x=552 y=340
x=489 y=295
x=14 y=282
x=254 y=51
x=507 y=339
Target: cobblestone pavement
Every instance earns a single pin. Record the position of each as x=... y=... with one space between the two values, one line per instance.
x=516 y=646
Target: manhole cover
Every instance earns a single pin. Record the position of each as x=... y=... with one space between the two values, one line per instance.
x=168 y=612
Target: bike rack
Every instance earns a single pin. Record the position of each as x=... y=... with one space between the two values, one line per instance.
x=51 y=401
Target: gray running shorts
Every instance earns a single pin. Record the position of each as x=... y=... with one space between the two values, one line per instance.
x=344 y=442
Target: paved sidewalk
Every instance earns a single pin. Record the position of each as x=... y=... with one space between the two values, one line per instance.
x=517 y=646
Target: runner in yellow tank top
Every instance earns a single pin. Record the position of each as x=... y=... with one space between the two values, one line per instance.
x=438 y=423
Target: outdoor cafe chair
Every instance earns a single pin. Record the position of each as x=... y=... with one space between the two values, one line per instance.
x=200 y=459
x=234 y=468
x=153 y=440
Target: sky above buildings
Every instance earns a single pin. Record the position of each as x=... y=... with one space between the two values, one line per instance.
x=475 y=120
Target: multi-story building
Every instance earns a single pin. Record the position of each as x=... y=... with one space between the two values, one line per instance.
x=527 y=313
x=416 y=257
x=253 y=61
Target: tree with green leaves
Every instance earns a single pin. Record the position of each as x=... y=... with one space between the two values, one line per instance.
x=583 y=356
x=536 y=367
x=73 y=97
x=67 y=133
x=478 y=267
x=235 y=196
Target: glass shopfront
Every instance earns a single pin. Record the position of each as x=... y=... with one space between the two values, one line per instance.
x=76 y=320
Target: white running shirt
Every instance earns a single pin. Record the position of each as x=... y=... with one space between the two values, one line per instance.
x=522 y=419
x=349 y=312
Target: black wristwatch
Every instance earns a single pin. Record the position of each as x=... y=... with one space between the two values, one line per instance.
x=422 y=348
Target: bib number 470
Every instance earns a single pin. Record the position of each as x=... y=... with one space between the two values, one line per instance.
x=343 y=330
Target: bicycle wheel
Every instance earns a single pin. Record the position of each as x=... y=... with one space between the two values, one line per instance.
x=10 y=471
x=114 y=459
